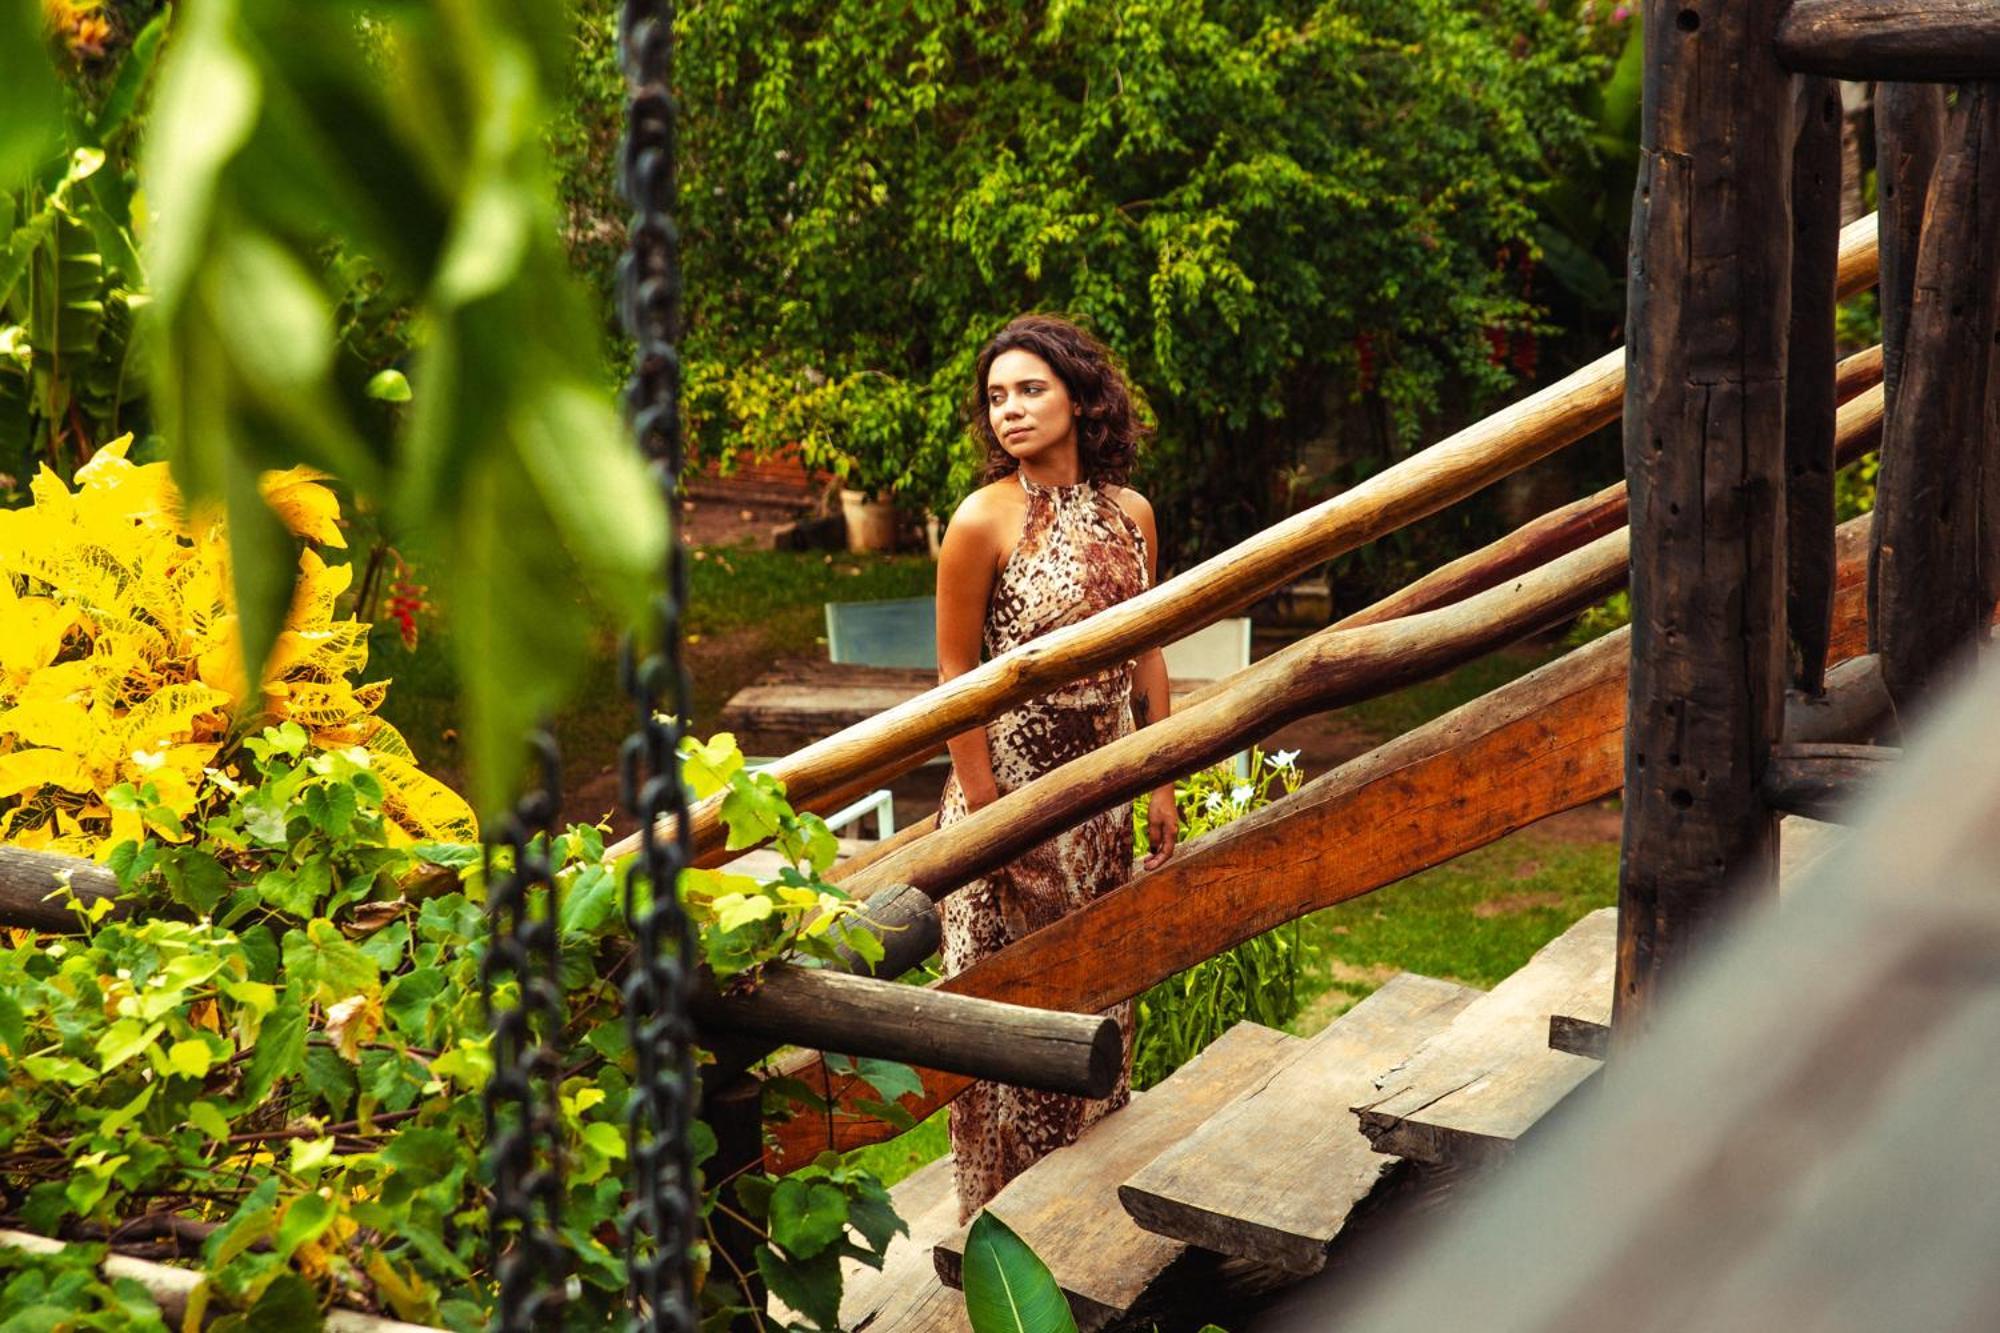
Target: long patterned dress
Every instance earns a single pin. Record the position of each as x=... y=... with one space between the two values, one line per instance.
x=1079 y=553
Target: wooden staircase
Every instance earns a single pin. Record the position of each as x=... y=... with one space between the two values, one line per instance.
x=1261 y=1150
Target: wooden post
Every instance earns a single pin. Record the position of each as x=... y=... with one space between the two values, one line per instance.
x=1707 y=314
x=1931 y=595
x=734 y=1110
x=1909 y=117
x=1937 y=40
x=1810 y=400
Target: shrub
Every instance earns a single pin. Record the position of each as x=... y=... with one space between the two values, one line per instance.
x=121 y=663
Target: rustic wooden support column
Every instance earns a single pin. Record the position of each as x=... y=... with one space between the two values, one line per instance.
x=1909 y=118
x=1810 y=402
x=734 y=1110
x=1931 y=596
x=1944 y=40
x=1707 y=316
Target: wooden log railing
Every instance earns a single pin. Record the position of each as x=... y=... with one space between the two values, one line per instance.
x=871 y=752
x=1902 y=41
x=1546 y=743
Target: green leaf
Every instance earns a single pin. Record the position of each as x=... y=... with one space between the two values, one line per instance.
x=590 y=901
x=205 y=1117
x=410 y=1000
x=423 y=1156
x=307 y=1216
x=134 y=71
x=124 y=1039
x=190 y=1058
x=389 y=386
x=288 y=1305
x=752 y=809
x=810 y=1286
x=13 y=1024
x=280 y=1052
x=1008 y=1289
x=325 y=966
x=30 y=102
x=806 y=1216
x=741 y=909
x=894 y=1081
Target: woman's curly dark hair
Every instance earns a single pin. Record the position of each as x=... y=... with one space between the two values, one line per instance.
x=1108 y=429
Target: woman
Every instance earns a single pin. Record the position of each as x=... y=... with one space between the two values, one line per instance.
x=1054 y=536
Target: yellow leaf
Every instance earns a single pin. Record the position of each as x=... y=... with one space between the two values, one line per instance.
x=306 y=508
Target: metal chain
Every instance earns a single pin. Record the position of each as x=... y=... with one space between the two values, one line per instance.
x=661 y=1226
x=522 y=1125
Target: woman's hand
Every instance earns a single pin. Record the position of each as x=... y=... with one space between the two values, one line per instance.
x=1163 y=825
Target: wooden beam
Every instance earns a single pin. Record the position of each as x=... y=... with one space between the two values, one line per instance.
x=864 y=756
x=1857 y=430
x=1708 y=302
x=1854 y=702
x=1932 y=596
x=1909 y=122
x=172 y=1287
x=1323 y=671
x=1821 y=780
x=1545 y=743
x=1810 y=393
x=822 y=1009
x=1579 y=1036
x=28 y=878
x=1902 y=41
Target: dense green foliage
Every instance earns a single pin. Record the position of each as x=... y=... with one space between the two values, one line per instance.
x=283 y=1043
x=1263 y=208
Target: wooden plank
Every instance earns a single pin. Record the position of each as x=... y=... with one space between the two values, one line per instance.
x=1066 y=1207
x=1273 y=1176
x=1816 y=1108
x=1707 y=319
x=1475 y=1088
x=864 y=756
x=1821 y=780
x=1904 y=41
x=1539 y=745
x=1810 y=394
x=1909 y=122
x=1932 y=596
x=1579 y=1036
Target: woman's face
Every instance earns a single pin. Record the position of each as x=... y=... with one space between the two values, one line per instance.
x=1028 y=405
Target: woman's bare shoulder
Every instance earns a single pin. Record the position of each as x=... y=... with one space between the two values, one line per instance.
x=988 y=520
x=1134 y=504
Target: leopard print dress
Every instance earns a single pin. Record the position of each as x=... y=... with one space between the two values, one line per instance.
x=1079 y=553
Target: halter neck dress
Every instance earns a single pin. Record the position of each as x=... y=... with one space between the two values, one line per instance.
x=1079 y=553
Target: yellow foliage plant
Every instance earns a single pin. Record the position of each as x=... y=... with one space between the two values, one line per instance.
x=120 y=660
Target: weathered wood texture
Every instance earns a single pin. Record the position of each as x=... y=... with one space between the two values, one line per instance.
x=1066 y=1205
x=865 y=756
x=1707 y=313
x=171 y=1288
x=862 y=1016
x=1810 y=394
x=1475 y=1088
x=1586 y=1037
x=1822 y=780
x=1320 y=672
x=29 y=878
x=1909 y=121
x=1537 y=746
x=1905 y=41
x=1932 y=591
x=1273 y=1175
x=1816 y=1110
x=1853 y=704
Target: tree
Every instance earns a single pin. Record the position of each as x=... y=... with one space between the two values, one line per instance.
x=1247 y=201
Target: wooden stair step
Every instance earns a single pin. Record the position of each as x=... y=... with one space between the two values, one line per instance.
x=1066 y=1205
x=1484 y=1081
x=1273 y=1176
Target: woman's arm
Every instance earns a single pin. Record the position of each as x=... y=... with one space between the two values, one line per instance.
x=1150 y=699
x=968 y=562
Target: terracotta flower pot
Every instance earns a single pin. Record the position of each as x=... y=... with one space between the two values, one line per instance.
x=871 y=523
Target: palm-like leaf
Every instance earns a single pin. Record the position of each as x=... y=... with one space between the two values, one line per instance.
x=1008 y=1289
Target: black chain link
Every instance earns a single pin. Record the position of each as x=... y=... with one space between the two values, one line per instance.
x=661 y=1226
x=522 y=1125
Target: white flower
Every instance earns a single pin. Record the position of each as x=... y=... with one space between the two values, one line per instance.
x=1239 y=795
x=1214 y=801
x=1284 y=758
